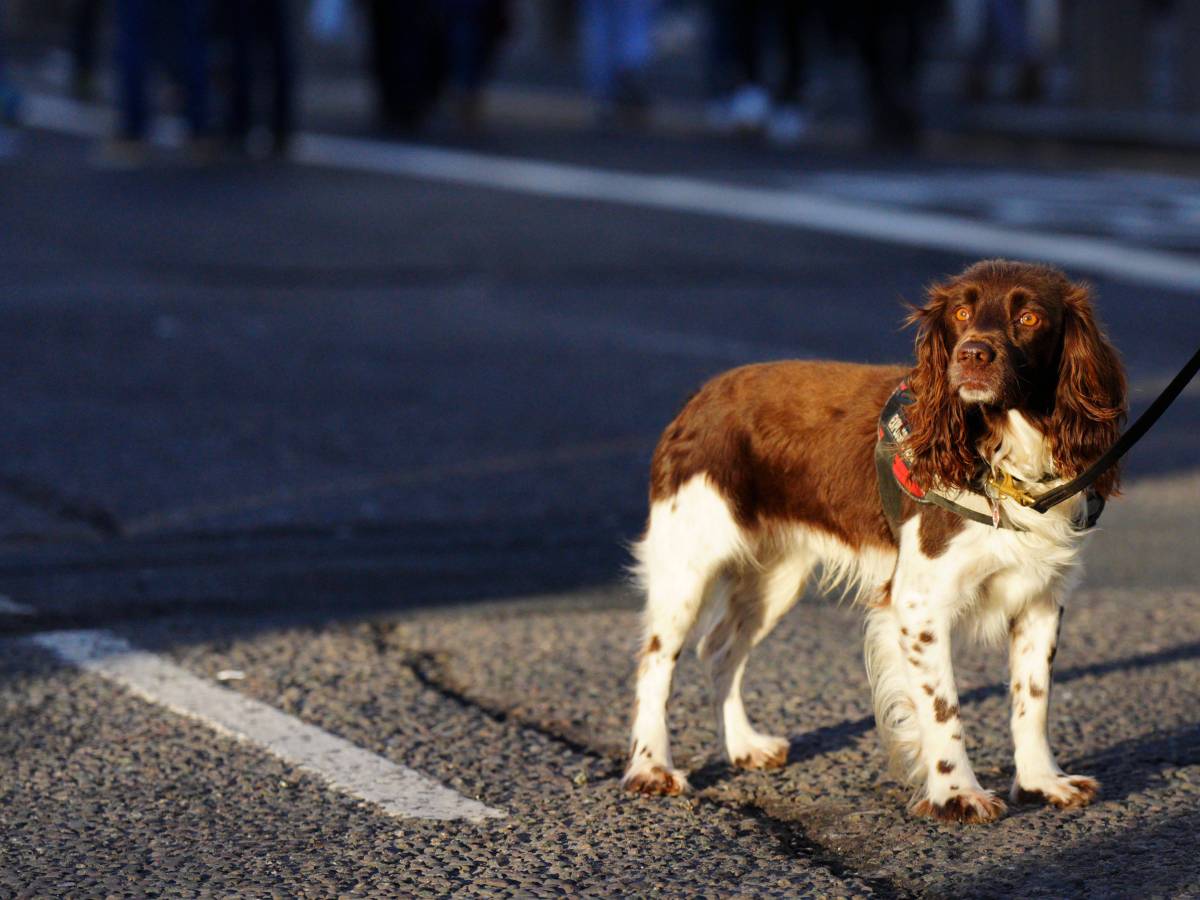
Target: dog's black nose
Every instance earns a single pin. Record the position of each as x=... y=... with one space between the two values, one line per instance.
x=976 y=352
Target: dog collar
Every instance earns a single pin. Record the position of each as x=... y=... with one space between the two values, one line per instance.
x=894 y=469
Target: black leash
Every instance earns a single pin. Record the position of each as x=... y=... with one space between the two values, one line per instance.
x=1135 y=433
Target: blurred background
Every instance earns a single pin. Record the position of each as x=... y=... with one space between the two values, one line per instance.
x=782 y=70
x=340 y=305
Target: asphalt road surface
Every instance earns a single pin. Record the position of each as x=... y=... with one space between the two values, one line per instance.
x=315 y=482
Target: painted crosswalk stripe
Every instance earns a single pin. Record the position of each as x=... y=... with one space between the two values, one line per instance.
x=397 y=790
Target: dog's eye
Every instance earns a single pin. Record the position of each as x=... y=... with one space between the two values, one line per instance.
x=963 y=314
x=1029 y=319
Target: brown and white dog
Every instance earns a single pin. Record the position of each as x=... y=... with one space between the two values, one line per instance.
x=768 y=473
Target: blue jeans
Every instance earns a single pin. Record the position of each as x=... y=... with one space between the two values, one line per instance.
x=615 y=41
x=175 y=33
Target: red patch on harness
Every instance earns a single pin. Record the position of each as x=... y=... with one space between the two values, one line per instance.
x=904 y=476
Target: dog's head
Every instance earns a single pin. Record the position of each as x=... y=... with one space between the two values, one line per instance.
x=1007 y=336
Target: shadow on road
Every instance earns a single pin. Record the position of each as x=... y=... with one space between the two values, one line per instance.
x=1148 y=753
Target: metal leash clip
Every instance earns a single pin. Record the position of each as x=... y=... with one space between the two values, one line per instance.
x=1005 y=486
x=999 y=488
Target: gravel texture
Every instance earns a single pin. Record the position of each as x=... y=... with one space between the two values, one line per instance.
x=1127 y=687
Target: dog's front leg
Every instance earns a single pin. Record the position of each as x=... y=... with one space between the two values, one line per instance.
x=924 y=596
x=1033 y=641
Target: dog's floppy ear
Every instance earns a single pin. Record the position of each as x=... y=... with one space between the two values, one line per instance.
x=939 y=440
x=1089 y=399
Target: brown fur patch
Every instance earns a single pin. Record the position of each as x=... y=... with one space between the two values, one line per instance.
x=1035 y=691
x=928 y=689
x=943 y=711
x=960 y=809
x=655 y=644
x=1085 y=791
x=885 y=596
x=945 y=766
x=775 y=760
x=777 y=458
x=926 y=636
x=656 y=781
x=938 y=527
x=1023 y=796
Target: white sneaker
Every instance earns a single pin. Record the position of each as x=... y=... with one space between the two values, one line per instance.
x=749 y=108
x=787 y=126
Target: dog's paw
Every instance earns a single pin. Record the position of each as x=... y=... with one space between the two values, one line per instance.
x=761 y=751
x=655 y=780
x=971 y=807
x=1063 y=791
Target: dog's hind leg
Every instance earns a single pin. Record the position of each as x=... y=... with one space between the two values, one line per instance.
x=691 y=539
x=758 y=599
x=895 y=707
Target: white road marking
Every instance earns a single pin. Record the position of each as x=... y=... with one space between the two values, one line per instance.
x=397 y=790
x=791 y=208
x=781 y=207
x=11 y=608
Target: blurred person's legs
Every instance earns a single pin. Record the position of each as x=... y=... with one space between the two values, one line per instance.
x=616 y=43
x=467 y=48
x=596 y=25
x=633 y=50
x=1007 y=37
x=788 y=123
x=191 y=34
x=720 y=51
x=890 y=47
x=133 y=63
x=10 y=99
x=262 y=29
x=763 y=100
x=85 y=35
x=384 y=24
x=277 y=29
x=239 y=16
x=408 y=60
x=750 y=104
x=140 y=24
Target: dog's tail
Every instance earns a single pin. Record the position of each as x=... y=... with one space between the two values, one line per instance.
x=895 y=712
